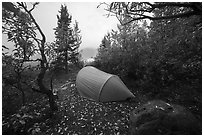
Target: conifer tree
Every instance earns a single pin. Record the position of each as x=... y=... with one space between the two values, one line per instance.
x=74 y=53
x=68 y=39
x=63 y=33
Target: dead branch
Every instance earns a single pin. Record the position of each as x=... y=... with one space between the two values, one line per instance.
x=138 y=10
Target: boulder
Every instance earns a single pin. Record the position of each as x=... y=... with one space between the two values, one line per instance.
x=158 y=117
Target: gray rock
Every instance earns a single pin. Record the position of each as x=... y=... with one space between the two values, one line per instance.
x=158 y=117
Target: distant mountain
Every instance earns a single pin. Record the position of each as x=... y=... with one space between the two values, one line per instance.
x=88 y=53
x=32 y=64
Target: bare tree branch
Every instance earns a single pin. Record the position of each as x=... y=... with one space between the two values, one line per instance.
x=187 y=14
x=33 y=6
x=138 y=10
x=32 y=60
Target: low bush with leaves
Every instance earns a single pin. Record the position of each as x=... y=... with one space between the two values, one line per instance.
x=163 y=53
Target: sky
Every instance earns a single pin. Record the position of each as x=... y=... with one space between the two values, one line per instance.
x=93 y=22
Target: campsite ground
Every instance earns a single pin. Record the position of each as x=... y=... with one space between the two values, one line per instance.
x=77 y=115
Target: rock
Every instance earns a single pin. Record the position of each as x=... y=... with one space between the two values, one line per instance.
x=158 y=117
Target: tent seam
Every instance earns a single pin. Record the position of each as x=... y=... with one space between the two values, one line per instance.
x=99 y=95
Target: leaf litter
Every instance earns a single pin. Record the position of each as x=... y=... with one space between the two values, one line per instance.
x=76 y=115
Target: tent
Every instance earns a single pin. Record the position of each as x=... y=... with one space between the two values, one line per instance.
x=100 y=86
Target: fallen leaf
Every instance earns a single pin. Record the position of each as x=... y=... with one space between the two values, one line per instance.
x=22 y=122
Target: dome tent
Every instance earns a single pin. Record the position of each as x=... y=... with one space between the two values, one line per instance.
x=100 y=86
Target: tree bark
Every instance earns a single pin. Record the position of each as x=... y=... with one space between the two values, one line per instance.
x=65 y=61
x=19 y=87
x=22 y=92
x=52 y=103
x=40 y=78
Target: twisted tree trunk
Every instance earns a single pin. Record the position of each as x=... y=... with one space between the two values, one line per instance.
x=43 y=60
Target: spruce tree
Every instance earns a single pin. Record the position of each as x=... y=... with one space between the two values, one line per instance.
x=74 y=52
x=63 y=33
x=68 y=40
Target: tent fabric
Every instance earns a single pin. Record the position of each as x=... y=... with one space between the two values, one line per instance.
x=100 y=86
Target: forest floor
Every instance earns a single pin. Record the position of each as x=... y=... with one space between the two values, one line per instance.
x=75 y=115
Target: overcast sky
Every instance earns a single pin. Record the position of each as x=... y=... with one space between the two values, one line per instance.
x=92 y=20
